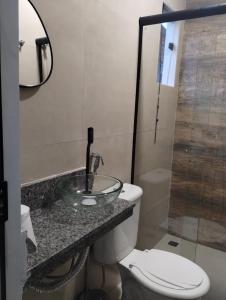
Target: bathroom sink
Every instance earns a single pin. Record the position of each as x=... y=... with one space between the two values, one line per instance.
x=88 y=190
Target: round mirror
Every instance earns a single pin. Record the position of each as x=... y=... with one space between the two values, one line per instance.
x=35 y=51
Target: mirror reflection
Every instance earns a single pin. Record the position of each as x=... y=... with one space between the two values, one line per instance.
x=35 y=53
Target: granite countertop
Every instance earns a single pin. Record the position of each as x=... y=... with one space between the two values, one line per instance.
x=61 y=231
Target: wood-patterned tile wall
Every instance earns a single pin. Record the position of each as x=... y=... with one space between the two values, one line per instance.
x=199 y=164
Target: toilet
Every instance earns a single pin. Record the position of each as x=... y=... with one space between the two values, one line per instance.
x=149 y=274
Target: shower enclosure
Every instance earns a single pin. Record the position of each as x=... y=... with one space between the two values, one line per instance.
x=179 y=144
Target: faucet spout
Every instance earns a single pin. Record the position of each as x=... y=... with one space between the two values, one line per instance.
x=96 y=159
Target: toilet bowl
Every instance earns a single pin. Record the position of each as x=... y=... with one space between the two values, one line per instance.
x=165 y=274
x=150 y=274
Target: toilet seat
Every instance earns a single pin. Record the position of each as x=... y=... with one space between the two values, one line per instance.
x=167 y=273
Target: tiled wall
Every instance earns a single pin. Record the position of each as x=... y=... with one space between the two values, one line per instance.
x=93 y=84
x=198 y=196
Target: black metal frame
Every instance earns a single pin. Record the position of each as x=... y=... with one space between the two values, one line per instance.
x=3 y=203
x=51 y=51
x=181 y=15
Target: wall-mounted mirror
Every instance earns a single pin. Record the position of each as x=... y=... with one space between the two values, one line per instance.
x=35 y=52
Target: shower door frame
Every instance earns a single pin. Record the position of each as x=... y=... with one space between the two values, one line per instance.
x=181 y=15
x=3 y=204
x=12 y=253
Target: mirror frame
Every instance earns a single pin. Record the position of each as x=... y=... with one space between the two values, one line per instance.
x=51 y=51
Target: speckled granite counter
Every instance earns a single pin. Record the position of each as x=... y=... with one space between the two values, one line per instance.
x=60 y=232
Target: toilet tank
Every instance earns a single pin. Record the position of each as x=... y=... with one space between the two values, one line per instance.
x=118 y=243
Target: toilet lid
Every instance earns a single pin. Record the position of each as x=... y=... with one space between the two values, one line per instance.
x=167 y=269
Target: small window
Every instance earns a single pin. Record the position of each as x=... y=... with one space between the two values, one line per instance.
x=168 y=52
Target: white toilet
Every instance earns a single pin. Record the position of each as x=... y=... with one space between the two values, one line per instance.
x=150 y=274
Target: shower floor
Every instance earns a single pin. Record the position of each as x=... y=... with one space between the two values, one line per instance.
x=199 y=222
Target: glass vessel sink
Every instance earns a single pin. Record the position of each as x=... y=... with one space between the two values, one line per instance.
x=88 y=190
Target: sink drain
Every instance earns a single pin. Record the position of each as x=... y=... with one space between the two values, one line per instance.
x=89 y=201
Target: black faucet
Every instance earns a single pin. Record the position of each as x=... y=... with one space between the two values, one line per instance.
x=90 y=138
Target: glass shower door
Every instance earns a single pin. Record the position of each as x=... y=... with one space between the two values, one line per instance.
x=181 y=137
x=199 y=173
x=180 y=144
x=160 y=226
